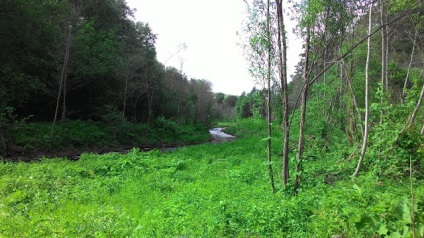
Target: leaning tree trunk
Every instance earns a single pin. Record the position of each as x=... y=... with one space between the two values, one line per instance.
x=355 y=102
x=411 y=119
x=124 y=106
x=365 y=140
x=403 y=93
x=300 y=145
x=62 y=82
x=414 y=113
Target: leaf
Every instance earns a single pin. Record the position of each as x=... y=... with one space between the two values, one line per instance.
x=356 y=187
x=420 y=230
x=395 y=235
x=383 y=230
x=406 y=212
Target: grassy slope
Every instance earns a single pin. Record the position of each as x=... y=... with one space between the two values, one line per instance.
x=210 y=190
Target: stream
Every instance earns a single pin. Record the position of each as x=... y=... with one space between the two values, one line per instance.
x=217 y=135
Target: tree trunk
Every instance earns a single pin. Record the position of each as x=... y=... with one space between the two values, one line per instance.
x=124 y=106
x=300 y=145
x=384 y=55
x=65 y=79
x=354 y=46
x=282 y=49
x=150 y=114
x=403 y=95
x=3 y=142
x=355 y=102
x=271 y=174
x=365 y=140
x=62 y=82
x=414 y=113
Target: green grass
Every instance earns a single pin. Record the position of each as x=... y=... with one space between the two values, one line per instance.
x=209 y=190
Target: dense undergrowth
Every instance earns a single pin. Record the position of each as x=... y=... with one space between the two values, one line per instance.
x=209 y=190
x=85 y=135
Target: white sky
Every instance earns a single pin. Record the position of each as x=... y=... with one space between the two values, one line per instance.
x=209 y=29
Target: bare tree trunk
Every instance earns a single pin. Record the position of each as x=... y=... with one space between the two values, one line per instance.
x=284 y=94
x=409 y=67
x=324 y=110
x=4 y=144
x=271 y=174
x=384 y=51
x=411 y=181
x=365 y=140
x=125 y=95
x=354 y=46
x=422 y=130
x=62 y=81
x=135 y=107
x=414 y=113
x=65 y=79
x=150 y=99
x=300 y=145
x=268 y=32
x=355 y=102
x=57 y=108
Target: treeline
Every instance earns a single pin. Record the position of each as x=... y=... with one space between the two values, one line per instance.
x=358 y=82
x=89 y=61
x=75 y=59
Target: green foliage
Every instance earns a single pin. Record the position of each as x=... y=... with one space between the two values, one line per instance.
x=251 y=105
x=201 y=191
x=116 y=132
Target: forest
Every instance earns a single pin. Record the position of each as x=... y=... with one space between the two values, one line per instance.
x=85 y=74
x=334 y=150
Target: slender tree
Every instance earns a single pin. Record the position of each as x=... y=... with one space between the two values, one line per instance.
x=300 y=145
x=282 y=69
x=403 y=93
x=411 y=119
x=260 y=51
x=366 y=127
x=269 y=71
x=384 y=52
x=65 y=66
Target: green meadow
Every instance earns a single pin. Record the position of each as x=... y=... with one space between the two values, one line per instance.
x=208 y=190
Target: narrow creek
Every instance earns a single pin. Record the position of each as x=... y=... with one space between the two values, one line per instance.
x=217 y=135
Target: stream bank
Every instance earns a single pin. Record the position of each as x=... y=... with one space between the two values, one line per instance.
x=217 y=135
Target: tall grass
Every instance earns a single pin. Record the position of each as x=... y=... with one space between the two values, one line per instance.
x=208 y=190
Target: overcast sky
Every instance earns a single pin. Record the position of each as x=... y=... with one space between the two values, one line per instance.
x=209 y=30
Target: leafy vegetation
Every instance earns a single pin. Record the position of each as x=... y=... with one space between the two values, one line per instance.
x=93 y=70
x=204 y=190
x=90 y=135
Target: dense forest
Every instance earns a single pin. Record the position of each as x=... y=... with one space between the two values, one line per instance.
x=361 y=73
x=85 y=61
x=334 y=150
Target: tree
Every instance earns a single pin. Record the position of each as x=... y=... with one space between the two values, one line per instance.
x=29 y=39
x=71 y=23
x=260 y=54
x=282 y=69
x=268 y=76
x=366 y=122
